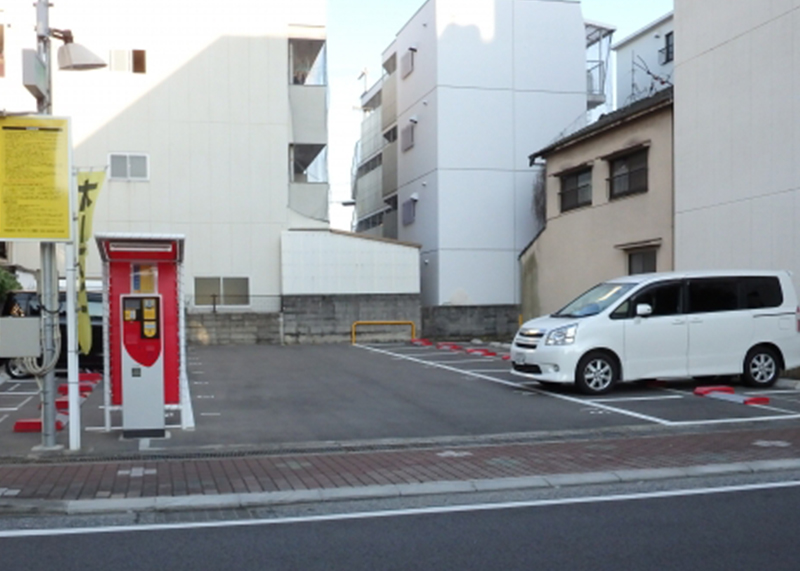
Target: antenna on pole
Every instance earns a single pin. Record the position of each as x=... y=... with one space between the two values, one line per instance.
x=364 y=75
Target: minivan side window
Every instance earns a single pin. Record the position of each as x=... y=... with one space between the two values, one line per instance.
x=758 y=292
x=663 y=298
x=714 y=294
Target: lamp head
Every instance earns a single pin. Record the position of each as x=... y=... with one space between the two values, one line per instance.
x=72 y=56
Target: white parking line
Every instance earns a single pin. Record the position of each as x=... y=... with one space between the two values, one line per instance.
x=627 y=399
x=623 y=412
x=2 y=418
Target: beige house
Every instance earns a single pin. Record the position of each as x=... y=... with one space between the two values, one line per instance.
x=608 y=208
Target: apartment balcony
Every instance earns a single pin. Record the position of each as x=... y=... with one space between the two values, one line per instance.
x=595 y=84
x=310 y=199
x=309 y=109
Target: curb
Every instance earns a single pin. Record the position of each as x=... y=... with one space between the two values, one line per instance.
x=266 y=499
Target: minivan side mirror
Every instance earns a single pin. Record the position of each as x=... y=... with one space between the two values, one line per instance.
x=644 y=309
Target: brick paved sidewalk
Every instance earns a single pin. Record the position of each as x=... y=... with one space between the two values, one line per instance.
x=23 y=485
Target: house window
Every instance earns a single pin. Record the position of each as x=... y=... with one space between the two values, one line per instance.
x=221 y=291
x=129 y=166
x=667 y=53
x=407 y=137
x=628 y=174
x=576 y=190
x=409 y=212
x=407 y=62
x=642 y=261
x=134 y=61
x=3 y=251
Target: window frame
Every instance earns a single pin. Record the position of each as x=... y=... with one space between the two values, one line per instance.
x=128 y=176
x=613 y=179
x=565 y=192
x=221 y=300
x=639 y=252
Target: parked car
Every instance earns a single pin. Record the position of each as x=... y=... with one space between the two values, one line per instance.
x=25 y=303
x=667 y=325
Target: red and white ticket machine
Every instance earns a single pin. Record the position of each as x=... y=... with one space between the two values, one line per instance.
x=144 y=329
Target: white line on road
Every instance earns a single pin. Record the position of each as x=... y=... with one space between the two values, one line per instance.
x=210 y=414
x=627 y=399
x=2 y=418
x=20 y=533
x=652 y=419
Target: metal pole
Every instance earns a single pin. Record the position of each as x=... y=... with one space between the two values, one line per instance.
x=49 y=289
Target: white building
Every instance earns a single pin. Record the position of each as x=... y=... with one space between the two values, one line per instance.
x=644 y=61
x=212 y=119
x=737 y=135
x=469 y=89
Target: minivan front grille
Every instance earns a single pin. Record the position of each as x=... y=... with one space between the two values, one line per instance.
x=533 y=369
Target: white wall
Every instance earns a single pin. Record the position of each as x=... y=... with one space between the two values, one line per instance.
x=212 y=112
x=640 y=52
x=737 y=135
x=322 y=262
x=499 y=80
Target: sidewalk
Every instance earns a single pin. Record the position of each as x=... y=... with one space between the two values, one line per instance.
x=246 y=479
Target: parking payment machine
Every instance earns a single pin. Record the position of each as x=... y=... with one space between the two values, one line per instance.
x=142 y=366
x=145 y=369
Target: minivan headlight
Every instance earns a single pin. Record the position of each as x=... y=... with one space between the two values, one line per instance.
x=563 y=335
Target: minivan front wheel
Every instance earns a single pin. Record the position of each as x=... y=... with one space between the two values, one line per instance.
x=597 y=373
x=761 y=367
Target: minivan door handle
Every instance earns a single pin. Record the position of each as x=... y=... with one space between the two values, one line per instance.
x=679 y=321
x=696 y=320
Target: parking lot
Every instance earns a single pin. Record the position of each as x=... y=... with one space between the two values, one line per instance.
x=273 y=396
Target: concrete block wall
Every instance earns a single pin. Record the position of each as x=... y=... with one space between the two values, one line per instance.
x=329 y=318
x=232 y=328
x=494 y=322
x=310 y=319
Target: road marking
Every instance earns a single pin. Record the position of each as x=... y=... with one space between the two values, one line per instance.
x=21 y=533
x=628 y=399
x=210 y=414
x=652 y=419
x=204 y=396
x=19 y=394
x=16 y=408
x=483 y=360
x=2 y=418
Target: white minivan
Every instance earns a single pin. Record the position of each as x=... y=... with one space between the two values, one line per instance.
x=666 y=325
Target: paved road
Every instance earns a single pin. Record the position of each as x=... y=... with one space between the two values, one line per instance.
x=751 y=527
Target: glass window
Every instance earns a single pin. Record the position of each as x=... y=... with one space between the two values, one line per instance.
x=714 y=294
x=642 y=262
x=576 y=190
x=594 y=301
x=207 y=291
x=235 y=291
x=127 y=166
x=664 y=299
x=628 y=174
x=760 y=292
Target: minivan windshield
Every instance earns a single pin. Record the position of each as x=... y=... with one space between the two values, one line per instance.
x=595 y=300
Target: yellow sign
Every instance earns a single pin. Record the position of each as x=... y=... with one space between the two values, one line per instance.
x=34 y=179
x=89 y=184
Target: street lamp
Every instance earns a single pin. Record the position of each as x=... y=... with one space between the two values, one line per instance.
x=71 y=56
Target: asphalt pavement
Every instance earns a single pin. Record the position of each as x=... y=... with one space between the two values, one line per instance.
x=305 y=424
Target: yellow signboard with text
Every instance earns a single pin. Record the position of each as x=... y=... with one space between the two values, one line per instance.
x=35 y=179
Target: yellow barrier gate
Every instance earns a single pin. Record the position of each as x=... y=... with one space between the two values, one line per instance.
x=357 y=323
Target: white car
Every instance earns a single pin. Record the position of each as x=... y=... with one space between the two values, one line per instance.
x=666 y=325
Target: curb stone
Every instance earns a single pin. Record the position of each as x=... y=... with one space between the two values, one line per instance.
x=266 y=499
